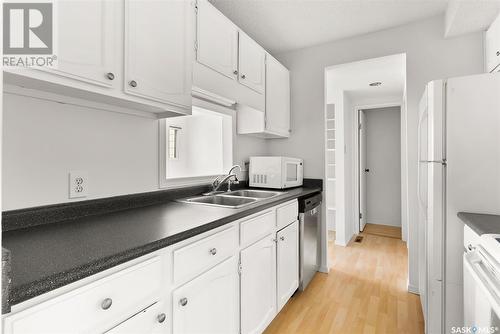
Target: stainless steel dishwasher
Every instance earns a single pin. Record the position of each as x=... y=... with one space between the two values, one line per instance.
x=309 y=238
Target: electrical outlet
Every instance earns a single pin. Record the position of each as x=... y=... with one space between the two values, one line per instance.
x=78 y=184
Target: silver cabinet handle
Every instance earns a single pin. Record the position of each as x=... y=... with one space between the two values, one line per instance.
x=106 y=303
x=183 y=301
x=161 y=317
x=235 y=72
x=243 y=76
x=282 y=238
x=470 y=247
x=133 y=83
x=498 y=53
x=213 y=251
x=110 y=76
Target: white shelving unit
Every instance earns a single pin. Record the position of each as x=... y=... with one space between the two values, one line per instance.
x=330 y=166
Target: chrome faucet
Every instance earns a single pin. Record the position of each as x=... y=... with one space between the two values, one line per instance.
x=218 y=182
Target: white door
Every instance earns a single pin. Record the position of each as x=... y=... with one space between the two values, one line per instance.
x=277 y=97
x=258 y=285
x=363 y=171
x=216 y=40
x=288 y=263
x=252 y=64
x=159 y=45
x=152 y=320
x=87 y=35
x=209 y=303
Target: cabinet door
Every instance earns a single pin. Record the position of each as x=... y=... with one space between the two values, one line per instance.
x=209 y=303
x=492 y=41
x=152 y=320
x=159 y=44
x=217 y=41
x=86 y=41
x=277 y=97
x=258 y=285
x=288 y=263
x=252 y=64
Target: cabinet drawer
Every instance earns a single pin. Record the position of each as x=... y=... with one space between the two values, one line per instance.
x=151 y=320
x=203 y=254
x=254 y=229
x=287 y=214
x=84 y=310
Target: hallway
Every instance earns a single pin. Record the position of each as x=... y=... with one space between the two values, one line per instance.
x=365 y=292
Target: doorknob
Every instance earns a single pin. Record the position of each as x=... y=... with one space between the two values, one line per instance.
x=367 y=170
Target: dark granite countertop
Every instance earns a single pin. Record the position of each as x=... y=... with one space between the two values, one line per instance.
x=49 y=256
x=481 y=223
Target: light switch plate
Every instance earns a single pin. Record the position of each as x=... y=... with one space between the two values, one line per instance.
x=78 y=184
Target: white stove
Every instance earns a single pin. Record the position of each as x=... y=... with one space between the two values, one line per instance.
x=482 y=283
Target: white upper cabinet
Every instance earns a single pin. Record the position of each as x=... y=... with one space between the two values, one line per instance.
x=277 y=97
x=252 y=64
x=87 y=32
x=274 y=122
x=288 y=263
x=158 y=52
x=492 y=45
x=217 y=41
x=209 y=303
x=258 y=285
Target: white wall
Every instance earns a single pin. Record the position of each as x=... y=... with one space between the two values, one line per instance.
x=44 y=140
x=383 y=157
x=429 y=56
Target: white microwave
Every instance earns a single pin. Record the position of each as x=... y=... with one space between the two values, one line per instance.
x=275 y=172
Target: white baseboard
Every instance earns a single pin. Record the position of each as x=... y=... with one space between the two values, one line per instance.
x=324 y=269
x=384 y=222
x=413 y=289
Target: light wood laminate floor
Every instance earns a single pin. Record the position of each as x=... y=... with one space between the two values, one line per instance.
x=365 y=292
x=383 y=230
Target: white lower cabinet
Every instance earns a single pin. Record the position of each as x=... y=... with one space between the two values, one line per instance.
x=210 y=302
x=287 y=263
x=258 y=285
x=232 y=280
x=152 y=320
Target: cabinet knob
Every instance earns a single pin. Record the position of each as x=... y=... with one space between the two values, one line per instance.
x=235 y=72
x=161 y=317
x=183 y=301
x=213 y=251
x=282 y=238
x=498 y=53
x=106 y=303
x=243 y=76
x=133 y=83
x=274 y=240
x=470 y=247
x=110 y=76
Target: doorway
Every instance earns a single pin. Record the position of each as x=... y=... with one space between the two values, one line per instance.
x=379 y=170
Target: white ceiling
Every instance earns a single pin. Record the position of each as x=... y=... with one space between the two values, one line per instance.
x=284 y=25
x=468 y=16
x=354 y=78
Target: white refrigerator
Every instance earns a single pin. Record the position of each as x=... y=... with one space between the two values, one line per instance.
x=458 y=170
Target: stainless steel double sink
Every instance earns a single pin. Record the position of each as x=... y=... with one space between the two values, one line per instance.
x=233 y=199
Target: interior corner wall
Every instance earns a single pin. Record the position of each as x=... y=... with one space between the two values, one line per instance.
x=429 y=56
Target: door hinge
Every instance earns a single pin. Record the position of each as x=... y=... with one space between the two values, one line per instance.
x=360 y=215
x=240 y=267
x=359 y=126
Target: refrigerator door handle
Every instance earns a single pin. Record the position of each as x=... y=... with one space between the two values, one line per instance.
x=442 y=162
